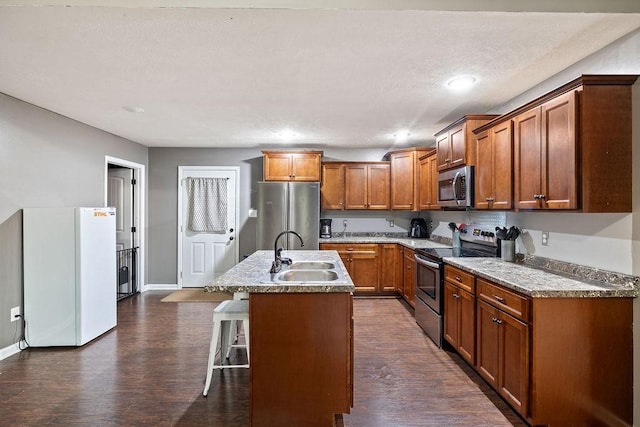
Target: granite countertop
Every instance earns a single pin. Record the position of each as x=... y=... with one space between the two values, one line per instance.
x=538 y=283
x=252 y=275
x=373 y=238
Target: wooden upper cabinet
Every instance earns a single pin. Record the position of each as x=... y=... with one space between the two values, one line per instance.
x=367 y=186
x=428 y=173
x=292 y=165
x=546 y=155
x=493 y=175
x=332 y=187
x=571 y=148
x=405 y=178
x=455 y=142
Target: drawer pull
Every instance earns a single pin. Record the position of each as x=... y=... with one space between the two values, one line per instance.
x=458 y=278
x=456 y=296
x=496 y=320
x=499 y=299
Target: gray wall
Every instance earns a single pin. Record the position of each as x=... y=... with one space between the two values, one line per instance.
x=45 y=160
x=163 y=197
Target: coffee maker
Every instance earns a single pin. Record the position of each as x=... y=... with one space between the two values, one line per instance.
x=418 y=228
x=325 y=227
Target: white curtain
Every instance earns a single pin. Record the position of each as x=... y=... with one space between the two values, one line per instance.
x=207 y=204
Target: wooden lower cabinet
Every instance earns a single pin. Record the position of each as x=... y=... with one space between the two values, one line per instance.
x=557 y=361
x=379 y=268
x=503 y=355
x=409 y=280
x=388 y=266
x=460 y=321
x=362 y=262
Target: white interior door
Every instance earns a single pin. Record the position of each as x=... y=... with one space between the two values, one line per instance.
x=203 y=256
x=120 y=196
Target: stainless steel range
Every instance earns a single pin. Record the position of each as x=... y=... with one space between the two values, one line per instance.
x=476 y=240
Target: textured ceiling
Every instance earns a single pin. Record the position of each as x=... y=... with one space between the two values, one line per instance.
x=236 y=77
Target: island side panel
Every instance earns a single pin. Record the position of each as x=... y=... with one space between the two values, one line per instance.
x=582 y=366
x=301 y=357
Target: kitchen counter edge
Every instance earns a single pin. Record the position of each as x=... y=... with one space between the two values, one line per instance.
x=538 y=283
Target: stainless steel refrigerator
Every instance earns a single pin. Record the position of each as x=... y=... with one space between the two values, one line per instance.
x=288 y=206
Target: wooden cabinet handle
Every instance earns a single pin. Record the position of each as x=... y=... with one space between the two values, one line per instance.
x=499 y=299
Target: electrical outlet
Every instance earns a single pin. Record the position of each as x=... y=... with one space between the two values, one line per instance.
x=545 y=238
x=15 y=313
x=391 y=223
x=344 y=223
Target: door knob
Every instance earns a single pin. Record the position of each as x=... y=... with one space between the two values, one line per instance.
x=231 y=230
x=231 y=238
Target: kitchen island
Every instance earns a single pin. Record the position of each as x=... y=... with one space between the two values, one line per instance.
x=301 y=341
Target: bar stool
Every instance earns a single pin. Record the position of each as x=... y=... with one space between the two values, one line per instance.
x=235 y=326
x=223 y=316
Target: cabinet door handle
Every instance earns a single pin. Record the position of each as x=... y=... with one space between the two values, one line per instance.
x=458 y=278
x=456 y=296
x=499 y=322
x=536 y=196
x=499 y=299
x=542 y=196
x=489 y=199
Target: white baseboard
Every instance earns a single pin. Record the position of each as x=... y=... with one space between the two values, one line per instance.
x=9 y=351
x=160 y=287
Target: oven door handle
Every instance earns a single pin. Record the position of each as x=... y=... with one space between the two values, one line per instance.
x=427 y=263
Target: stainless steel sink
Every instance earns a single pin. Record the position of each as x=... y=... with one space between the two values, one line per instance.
x=312 y=265
x=307 y=276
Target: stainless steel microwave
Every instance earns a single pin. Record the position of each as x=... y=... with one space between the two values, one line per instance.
x=455 y=188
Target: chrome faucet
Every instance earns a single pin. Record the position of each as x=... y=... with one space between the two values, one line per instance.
x=278 y=260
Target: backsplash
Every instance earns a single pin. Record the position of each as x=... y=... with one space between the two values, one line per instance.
x=582 y=272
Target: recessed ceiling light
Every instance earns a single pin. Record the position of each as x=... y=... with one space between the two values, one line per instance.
x=402 y=136
x=133 y=109
x=461 y=82
x=288 y=135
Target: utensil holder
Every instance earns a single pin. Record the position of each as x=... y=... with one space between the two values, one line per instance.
x=508 y=250
x=456 y=239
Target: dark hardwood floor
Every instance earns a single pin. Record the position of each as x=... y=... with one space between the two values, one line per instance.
x=150 y=370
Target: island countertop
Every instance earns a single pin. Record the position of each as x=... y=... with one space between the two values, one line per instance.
x=252 y=275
